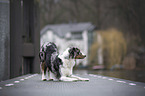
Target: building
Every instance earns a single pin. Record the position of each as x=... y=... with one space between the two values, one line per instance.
x=69 y=35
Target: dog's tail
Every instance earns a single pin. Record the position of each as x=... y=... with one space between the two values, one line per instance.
x=42 y=56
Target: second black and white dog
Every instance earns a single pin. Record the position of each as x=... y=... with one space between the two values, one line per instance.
x=60 y=67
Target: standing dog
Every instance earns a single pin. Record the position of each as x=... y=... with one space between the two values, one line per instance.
x=60 y=67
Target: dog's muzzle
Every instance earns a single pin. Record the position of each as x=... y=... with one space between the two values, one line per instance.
x=80 y=56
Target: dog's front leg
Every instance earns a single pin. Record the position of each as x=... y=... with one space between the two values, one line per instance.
x=79 y=78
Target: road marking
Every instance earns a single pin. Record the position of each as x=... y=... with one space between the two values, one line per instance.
x=31 y=76
x=35 y=74
x=110 y=79
x=16 y=81
x=120 y=81
x=1 y=88
x=104 y=77
x=21 y=79
x=26 y=78
x=7 y=85
x=95 y=76
x=132 y=84
x=99 y=76
x=91 y=75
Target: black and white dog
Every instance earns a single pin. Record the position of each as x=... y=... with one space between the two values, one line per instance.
x=60 y=67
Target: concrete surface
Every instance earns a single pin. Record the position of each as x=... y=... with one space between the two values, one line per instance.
x=31 y=85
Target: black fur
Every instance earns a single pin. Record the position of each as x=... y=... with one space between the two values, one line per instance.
x=51 y=59
x=73 y=52
x=42 y=53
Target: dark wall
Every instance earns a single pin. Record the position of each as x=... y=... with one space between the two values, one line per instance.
x=19 y=38
x=16 y=30
x=25 y=40
x=4 y=39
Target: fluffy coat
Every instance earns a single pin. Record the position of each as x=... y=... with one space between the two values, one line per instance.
x=60 y=67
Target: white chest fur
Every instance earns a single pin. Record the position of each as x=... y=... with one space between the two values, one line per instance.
x=68 y=63
x=67 y=67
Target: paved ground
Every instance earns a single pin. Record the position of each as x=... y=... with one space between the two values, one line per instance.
x=31 y=85
x=133 y=75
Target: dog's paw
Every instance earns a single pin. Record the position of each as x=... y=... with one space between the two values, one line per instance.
x=44 y=79
x=50 y=79
x=87 y=79
x=84 y=79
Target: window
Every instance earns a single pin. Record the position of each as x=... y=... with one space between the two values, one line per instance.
x=77 y=35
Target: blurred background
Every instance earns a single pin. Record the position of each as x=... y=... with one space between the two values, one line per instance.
x=110 y=32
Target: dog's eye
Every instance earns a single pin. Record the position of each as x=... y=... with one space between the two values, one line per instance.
x=78 y=52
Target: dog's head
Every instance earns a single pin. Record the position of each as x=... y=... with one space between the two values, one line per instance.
x=75 y=53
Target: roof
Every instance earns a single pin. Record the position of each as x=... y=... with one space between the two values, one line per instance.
x=62 y=29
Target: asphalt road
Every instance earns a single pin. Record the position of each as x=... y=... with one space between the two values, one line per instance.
x=31 y=85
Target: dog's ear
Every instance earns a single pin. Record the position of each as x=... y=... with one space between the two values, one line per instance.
x=72 y=52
